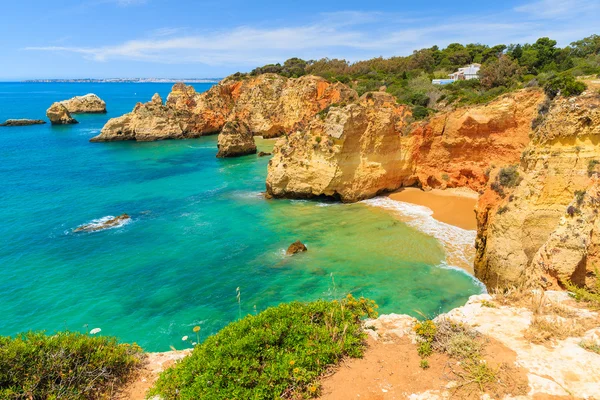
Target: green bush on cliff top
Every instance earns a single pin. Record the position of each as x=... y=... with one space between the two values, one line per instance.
x=278 y=353
x=67 y=365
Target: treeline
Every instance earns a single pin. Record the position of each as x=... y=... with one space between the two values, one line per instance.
x=503 y=68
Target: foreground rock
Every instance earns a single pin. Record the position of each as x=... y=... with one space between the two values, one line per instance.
x=270 y=104
x=59 y=115
x=104 y=223
x=235 y=140
x=22 y=122
x=351 y=153
x=543 y=227
x=88 y=104
x=296 y=247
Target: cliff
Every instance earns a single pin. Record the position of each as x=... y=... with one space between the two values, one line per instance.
x=269 y=104
x=88 y=104
x=351 y=153
x=541 y=227
x=363 y=149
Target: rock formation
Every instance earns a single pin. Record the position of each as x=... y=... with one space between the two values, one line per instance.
x=22 y=122
x=263 y=154
x=59 y=115
x=456 y=148
x=351 y=153
x=235 y=139
x=296 y=247
x=88 y=104
x=104 y=223
x=543 y=228
x=270 y=104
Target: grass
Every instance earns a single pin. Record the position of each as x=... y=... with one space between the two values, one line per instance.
x=279 y=353
x=66 y=365
x=549 y=329
x=590 y=345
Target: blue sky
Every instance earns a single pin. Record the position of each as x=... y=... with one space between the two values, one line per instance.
x=195 y=39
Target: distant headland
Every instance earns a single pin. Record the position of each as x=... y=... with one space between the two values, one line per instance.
x=125 y=80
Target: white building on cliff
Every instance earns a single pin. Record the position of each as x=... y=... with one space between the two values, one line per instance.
x=463 y=74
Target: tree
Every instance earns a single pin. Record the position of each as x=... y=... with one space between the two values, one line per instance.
x=586 y=46
x=500 y=71
x=546 y=51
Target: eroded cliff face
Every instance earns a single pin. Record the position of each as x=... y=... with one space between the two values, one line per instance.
x=351 y=153
x=455 y=149
x=545 y=228
x=271 y=105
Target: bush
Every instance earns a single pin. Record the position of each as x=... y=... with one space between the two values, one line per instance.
x=509 y=176
x=565 y=85
x=420 y=112
x=67 y=365
x=278 y=353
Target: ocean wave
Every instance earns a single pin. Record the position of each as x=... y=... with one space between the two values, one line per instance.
x=458 y=243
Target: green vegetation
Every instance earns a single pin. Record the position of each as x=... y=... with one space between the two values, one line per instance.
x=503 y=68
x=508 y=177
x=590 y=345
x=587 y=295
x=591 y=168
x=66 y=365
x=281 y=352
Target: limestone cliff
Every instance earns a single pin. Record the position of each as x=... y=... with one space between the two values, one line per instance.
x=544 y=229
x=270 y=104
x=235 y=139
x=88 y=104
x=351 y=153
x=59 y=115
x=369 y=147
x=455 y=149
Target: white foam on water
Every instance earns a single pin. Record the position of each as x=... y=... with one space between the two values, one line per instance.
x=458 y=243
x=101 y=221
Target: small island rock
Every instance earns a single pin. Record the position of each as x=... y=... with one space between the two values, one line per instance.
x=88 y=104
x=263 y=154
x=22 y=122
x=59 y=115
x=296 y=247
x=236 y=139
x=108 y=223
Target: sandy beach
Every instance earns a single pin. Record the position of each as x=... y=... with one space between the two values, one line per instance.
x=452 y=206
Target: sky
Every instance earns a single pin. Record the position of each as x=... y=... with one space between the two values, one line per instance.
x=211 y=39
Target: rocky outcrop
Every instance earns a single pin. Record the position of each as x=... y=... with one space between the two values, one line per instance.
x=270 y=104
x=351 y=153
x=22 y=122
x=104 y=223
x=59 y=115
x=296 y=247
x=236 y=139
x=88 y=104
x=542 y=228
x=456 y=148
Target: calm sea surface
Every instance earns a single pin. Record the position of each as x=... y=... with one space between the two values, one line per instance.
x=200 y=229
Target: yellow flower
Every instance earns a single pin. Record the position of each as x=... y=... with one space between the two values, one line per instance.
x=296 y=370
x=196 y=329
x=312 y=389
x=292 y=362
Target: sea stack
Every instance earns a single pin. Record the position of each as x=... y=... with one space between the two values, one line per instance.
x=88 y=104
x=22 y=122
x=59 y=115
x=236 y=139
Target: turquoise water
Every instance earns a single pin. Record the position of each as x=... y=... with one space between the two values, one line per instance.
x=200 y=229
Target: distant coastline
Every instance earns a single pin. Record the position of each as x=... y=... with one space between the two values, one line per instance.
x=125 y=80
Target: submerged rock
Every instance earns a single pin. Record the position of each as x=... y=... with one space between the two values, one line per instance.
x=88 y=104
x=22 y=122
x=104 y=223
x=59 y=115
x=269 y=104
x=235 y=140
x=296 y=247
x=263 y=154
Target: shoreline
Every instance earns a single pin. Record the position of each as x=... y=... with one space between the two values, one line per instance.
x=451 y=206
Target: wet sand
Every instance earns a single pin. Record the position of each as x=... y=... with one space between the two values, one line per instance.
x=452 y=206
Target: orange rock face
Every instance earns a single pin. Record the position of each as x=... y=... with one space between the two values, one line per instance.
x=271 y=105
x=456 y=149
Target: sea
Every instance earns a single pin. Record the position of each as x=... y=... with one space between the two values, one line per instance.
x=203 y=246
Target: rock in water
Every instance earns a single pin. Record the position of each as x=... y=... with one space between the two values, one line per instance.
x=296 y=247
x=59 y=115
x=88 y=104
x=103 y=223
x=263 y=154
x=22 y=122
x=236 y=139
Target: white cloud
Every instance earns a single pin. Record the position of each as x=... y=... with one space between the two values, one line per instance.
x=562 y=9
x=348 y=34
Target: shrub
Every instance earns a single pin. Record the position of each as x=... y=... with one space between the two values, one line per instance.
x=591 y=168
x=278 y=353
x=509 y=176
x=565 y=85
x=66 y=365
x=420 y=112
